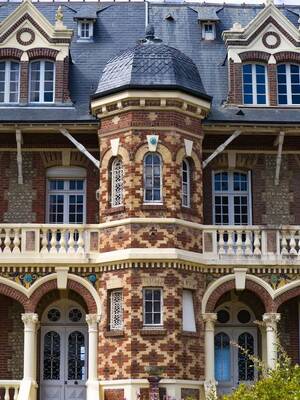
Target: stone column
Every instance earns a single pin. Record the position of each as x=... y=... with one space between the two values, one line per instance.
x=271 y=320
x=28 y=385
x=93 y=383
x=210 y=319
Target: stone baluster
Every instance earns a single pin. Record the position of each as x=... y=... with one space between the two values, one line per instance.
x=221 y=242
x=284 y=250
x=257 y=251
x=16 y=393
x=53 y=241
x=62 y=243
x=239 y=244
x=271 y=320
x=6 y=396
x=44 y=241
x=230 y=242
x=293 y=251
x=80 y=242
x=248 y=244
x=16 y=242
x=7 y=242
x=71 y=242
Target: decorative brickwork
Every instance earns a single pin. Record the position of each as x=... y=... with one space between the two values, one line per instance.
x=272 y=84
x=287 y=56
x=42 y=52
x=127 y=356
x=9 y=53
x=114 y=394
x=257 y=56
x=235 y=83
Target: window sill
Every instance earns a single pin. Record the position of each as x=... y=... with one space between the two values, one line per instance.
x=155 y=331
x=114 y=333
x=114 y=210
x=153 y=206
x=189 y=334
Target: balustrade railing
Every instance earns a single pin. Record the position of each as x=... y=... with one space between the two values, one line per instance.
x=9 y=390
x=252 y=242
x=46 y=240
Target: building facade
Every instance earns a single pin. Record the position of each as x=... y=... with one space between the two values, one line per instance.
x=149 y=197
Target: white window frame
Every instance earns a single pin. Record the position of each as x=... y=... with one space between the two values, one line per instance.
x=206 y=35
x=230 y=193
x=7 y=82
x=115 y=183
x=187 y=183
x=288 y=85
x=112 y=325
x=91 y=29
x=254 y=85
x=66 y=193
x=42 y=82
x=161 y=307
x=160 y=200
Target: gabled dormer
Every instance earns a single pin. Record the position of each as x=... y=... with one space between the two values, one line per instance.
x=208 y=20
x=34 y=55
x=264 y=60
x=86 y=17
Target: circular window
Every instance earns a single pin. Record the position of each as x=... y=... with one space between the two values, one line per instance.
x=75 y=315
x=243 y=316
x=53 y=315
x=223 y=316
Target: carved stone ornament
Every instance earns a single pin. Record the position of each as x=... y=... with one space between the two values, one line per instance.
x=271 y=40
x=25 y=36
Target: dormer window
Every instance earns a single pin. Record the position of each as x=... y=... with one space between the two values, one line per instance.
x=42 y=78
x=9 y=81
x=85 y=29
x=254 y=84
x=208 y=31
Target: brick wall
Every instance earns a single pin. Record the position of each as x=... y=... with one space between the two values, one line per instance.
x=271 y=204
x=289 y=328
x=11 y=339
x=125 y=354
x=27 y=203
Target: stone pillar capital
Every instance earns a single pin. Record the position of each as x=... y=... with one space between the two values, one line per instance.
x=92 y=320
x=271 y=319
x=210 y=320
x=30 y=320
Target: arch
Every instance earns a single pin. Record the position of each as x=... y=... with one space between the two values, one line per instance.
x=143 y=148
x=75 y=282
x=257 y=285
x=42 y=52
x=254 y=56
x=108 y=155
x=287 y=56
x=181 y=155
x=15 y=291
x=10 y=53
x=286 y=293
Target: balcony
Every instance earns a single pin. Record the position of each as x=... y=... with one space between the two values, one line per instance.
x=9 y=389
x=251 y=244
x=222 y=245
x=43 y=242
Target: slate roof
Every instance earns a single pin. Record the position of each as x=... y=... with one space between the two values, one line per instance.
x=149 y=65
x=119 y=25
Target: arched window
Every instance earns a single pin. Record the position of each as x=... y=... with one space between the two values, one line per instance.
x=254 y=84
x=9 y=81
x=186 y=183
x=231 y=198
x=66 y=195
x=222 y=357
x=117 y=182
x=288 y=84
x=152 y=178
x=42 y=81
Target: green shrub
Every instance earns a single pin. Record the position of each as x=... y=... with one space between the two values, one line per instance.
x=282 y=383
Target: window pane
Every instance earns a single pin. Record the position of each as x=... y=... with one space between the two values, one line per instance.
x=222 y=357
